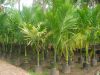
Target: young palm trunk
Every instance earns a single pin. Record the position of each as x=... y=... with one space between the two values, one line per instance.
x=43 y=59
x=86 y=64
x=11 y=46
x=0 y=49
x=38 y=58
x=11 y=50
x=19 y=55
x=94 y=60
x=66 y=67
x=3 y=50
x=54 y=70
x=26 y=58
x=25 y=64
x=55 y=58
x=71 y=58
x=6 y=48
x=38 y=68
x=87 y=54
x=81 y=57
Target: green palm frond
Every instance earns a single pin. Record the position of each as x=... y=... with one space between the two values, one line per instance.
x=32 y=33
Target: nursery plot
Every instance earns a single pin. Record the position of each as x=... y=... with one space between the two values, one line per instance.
x=60 y=36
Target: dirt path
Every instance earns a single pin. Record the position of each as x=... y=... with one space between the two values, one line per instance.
x=8 y=69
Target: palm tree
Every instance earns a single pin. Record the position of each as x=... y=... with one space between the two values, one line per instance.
x=14 y=35
x=10 y=2
x=2 y=1
x=61 y=26
x=3 y=27
x=35 y=36
x=1 y=7
x=87 y=27
x=95 y=29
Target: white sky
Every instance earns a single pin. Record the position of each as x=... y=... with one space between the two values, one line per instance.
x=25 y=3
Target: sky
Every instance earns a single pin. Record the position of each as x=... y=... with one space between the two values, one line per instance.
x=25 y=3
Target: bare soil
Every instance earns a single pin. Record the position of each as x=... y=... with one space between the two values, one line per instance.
x=8 y=69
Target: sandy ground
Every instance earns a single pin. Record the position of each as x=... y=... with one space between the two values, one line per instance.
x=8 y=69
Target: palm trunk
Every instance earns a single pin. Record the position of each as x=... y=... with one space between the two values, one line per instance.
x=33 y=3
x=26 y=59
x=54 y=70
x=3 y=49
x=66 y=66
x=86 y=63
x=1 y=8
x=81 y=57
x=38 y=58
x=67 y=54
x=86 y=53
x=55 y=54
x=11 y=49
x=43 y=56
x=19 y=53
x=11 y=46
x=94 y=60
x=38 y=68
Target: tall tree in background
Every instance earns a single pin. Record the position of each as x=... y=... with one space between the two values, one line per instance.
x=1 y=2
x=19 y=4
x=10 y=2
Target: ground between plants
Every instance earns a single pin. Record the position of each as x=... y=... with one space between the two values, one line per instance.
x=8 y=69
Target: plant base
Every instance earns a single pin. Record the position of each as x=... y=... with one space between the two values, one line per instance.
x=38 y=69
x=54 y=71
x=86 y=66
x=94 y=62
x=66 y=68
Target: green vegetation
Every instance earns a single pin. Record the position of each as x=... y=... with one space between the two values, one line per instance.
x=60 y=29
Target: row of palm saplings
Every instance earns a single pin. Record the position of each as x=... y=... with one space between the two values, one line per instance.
x=63 y=27
x=11 y=39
